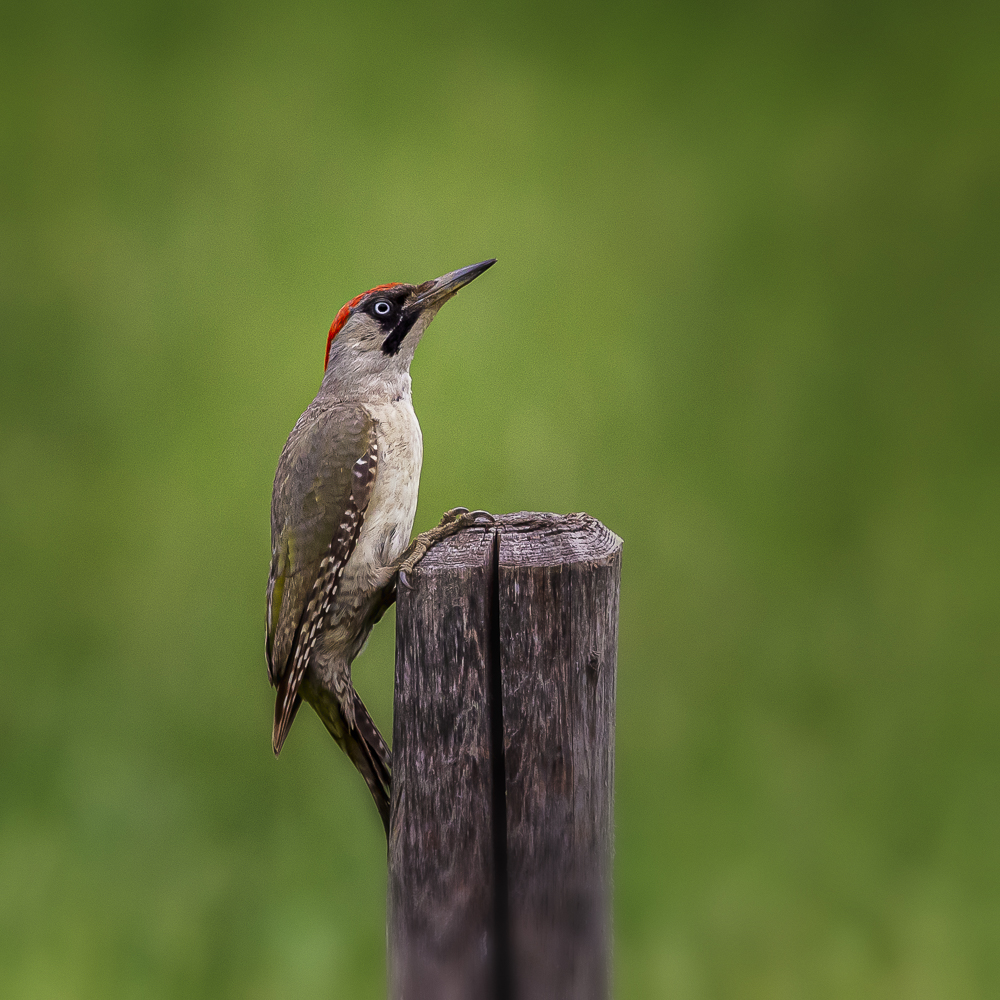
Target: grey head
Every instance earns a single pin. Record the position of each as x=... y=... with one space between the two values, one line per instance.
x=373 y=338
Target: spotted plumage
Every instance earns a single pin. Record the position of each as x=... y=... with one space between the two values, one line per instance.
x=323 y=592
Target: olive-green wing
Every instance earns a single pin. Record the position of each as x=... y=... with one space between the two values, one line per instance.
x=322 y=487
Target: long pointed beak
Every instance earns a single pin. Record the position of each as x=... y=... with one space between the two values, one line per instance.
x=438 y=291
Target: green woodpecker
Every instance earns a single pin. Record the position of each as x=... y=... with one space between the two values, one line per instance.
x=345 y=494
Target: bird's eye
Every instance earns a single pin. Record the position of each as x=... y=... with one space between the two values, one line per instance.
x=382 y=308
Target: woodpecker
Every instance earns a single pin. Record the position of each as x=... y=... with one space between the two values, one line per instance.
x=345 y=494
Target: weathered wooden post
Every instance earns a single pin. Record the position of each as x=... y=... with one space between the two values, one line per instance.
x=503 y=764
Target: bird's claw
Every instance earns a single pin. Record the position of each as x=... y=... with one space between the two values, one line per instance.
x=464 y=517
x=452 y=522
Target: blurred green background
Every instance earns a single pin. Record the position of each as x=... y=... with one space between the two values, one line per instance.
x=746 y=313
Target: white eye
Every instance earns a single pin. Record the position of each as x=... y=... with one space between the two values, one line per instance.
x=382 y=308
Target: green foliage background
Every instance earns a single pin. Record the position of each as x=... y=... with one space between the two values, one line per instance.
x=746 y=313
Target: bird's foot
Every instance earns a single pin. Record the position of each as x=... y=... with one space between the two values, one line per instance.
x=453 y=521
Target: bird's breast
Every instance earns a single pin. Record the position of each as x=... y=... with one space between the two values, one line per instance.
x=393 y=504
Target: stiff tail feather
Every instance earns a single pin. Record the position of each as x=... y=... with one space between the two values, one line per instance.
x=372 y=758
x=366 y=725
x=363 y=743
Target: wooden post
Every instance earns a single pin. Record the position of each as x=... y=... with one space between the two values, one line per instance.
x=503 y=764
x=441 y=878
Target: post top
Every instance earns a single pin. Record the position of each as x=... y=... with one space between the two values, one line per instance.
x=528 y=538
x=532 y=539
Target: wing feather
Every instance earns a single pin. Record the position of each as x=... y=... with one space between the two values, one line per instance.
x=323 y=594
x=322 y=488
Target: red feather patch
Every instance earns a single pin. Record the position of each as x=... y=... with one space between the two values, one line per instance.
x=345 y=312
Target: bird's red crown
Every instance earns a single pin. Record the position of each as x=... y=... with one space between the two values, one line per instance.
x=345 y=312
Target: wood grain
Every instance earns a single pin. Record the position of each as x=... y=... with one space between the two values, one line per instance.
x=502 y=827
x=441 y=887
x=558 y=603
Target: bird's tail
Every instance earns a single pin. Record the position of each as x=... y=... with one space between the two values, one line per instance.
x=366 y=726
x=363 y=743
x=374 y=760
